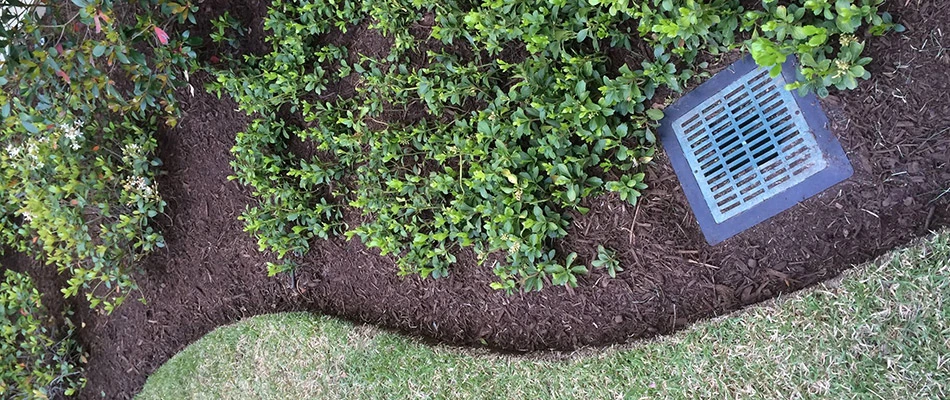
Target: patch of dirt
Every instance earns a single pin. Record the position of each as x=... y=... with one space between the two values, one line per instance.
x=895 y=129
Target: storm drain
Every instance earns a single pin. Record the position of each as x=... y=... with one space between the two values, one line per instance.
x=745 y=148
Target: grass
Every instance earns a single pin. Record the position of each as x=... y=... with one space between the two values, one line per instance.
x=882 y=331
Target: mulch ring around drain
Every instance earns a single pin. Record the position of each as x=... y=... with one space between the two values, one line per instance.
x=895 y=130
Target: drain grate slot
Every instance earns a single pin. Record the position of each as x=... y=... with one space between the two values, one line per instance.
x=742 y=142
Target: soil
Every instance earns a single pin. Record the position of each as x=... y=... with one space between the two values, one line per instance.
x=895 y=129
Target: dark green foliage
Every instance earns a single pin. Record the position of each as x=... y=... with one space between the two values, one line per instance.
x=503 y=150
x=470 y=147
x=35 y=363
x=823 y=34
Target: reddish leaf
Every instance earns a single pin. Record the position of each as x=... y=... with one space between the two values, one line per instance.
x=215 y=59
x=98 y=25
x=161 y=35
x=59 y=48
x=63 y=75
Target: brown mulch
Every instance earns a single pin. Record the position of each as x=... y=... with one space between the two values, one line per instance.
x=895 y=129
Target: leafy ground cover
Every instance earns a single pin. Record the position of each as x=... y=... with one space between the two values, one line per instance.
x=880 y=331
x=485 y=125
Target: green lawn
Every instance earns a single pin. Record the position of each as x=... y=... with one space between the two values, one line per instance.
x=883 y=331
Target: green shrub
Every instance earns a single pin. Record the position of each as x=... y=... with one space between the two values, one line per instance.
x=607 y=259
x=500 y=148
x=686 y=27
x=82 y=96
x=551 y=130
x=81 y=207
x=34 y=361
x=825 y=36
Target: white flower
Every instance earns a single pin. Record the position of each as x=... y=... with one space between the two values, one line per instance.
x=13 y=151
x=73 y=133
x=131 y=150
x=26 y=216
x=31 y=152
x=137 y=185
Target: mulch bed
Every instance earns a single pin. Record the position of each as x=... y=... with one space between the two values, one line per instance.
x=895 y=129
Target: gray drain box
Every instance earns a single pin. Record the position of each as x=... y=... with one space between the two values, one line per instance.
x=745 y=149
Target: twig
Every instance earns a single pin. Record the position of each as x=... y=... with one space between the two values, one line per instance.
x=941 y=195
x=702 y=264
x=869 y=212
x=634 y=224
x=930 y=217
x=293 y=279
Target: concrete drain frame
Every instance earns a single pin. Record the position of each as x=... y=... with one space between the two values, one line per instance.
x=745 y=149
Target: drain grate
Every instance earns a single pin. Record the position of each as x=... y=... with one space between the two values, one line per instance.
x=746 y=149
x=748 y=144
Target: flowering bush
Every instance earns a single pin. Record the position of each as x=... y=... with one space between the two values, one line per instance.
x=83 y=94
x=80 y=207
